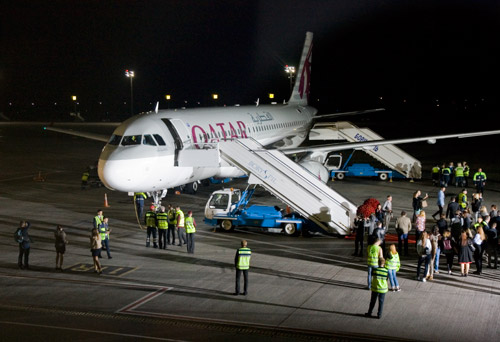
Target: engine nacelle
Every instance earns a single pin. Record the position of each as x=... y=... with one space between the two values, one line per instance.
x=317 y=169
x=431 y=141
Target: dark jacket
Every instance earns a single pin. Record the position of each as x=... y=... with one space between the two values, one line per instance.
x=452 y=209
x=26 y=237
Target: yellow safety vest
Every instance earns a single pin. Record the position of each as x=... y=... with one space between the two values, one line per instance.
x=379 y=280
x=162 y=220
x=393 y=263
x=190 y=228
x=244 y=255
x=373 y=251
x=179 y=218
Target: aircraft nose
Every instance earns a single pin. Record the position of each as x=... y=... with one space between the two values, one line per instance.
x=120 y=172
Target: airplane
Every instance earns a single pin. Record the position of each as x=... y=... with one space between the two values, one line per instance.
x=148 y=152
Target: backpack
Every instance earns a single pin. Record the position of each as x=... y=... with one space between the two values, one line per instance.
x=18 y=235
x=447 y=245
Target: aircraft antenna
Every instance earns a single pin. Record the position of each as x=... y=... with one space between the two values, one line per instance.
x=257 y=102
x=157 y=105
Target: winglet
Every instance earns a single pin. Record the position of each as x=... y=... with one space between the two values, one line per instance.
x=301 y=88
x=156 y=108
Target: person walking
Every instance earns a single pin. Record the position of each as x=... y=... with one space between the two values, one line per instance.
x=392 y=263
x=418 y=203
x=242 y=265
x=440 y=203
x=378 y=289
x=360 y=223
x=420 y=225
x=403 y=227
x=435 y=238
x=104 y=232
x=162 y=224
x=479 y=242
x=60 y=245
x=459 y=175
x=150 y=221
x=98 y=218
x=492 y=244
x=181 y=232
x=190 y=225
x=95 y=248
x=24 y=241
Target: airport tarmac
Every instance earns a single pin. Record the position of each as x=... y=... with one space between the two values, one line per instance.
x=300 y=288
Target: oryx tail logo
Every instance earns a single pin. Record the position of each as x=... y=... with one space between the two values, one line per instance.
x=305 y=77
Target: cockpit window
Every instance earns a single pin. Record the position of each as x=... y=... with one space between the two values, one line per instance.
x=131 y=140
x=115 y=139
x=159 y=139
x=148 y=140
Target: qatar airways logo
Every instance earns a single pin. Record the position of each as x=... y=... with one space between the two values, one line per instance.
x=223 y=128
x=305 y=77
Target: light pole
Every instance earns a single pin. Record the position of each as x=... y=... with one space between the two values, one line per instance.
x=130 y=74
x=168 y=98
x=74 y=101
x=290 y=70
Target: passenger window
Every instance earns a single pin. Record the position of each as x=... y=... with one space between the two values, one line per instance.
x=131 y=140
x=159 y=139
x=115 y=140
x=148 y=140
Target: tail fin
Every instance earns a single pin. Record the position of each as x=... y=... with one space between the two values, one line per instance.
x=300 y=92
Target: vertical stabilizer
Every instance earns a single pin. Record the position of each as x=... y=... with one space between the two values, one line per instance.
x=301 y=88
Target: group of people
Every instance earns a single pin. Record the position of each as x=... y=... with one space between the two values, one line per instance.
x=163 y=225
x=458 y=176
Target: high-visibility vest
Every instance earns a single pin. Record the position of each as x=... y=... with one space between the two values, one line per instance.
x=162 y=220
x=150 y=219
x=466 y=171
x=379 y=280
x=97 y=221
x=435 y=169
x=459 y=171
x=479 y=176
x=373 y=252
x=462 y=200
x=446 y=171
x=85 y=176
x=189 y=224
x=243 y=262
x=171 y=217
x=393 y=263
x=141 y=196
x=179 y=218
x=102 y=230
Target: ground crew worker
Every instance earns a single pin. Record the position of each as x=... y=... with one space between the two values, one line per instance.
x=445 y=175
x=139 y=198
x=85 y=179
x=462 y=199
x=172 y=223
x=150 y=221
x=162 y=224
x=374 y=253
x=179 y=218
x=98 y=219
x=242 y=265
x=379 y=289
x=104 y=232
x=435 y=175
x=190 y=225
x=479 y=180
x=459 y=175
x=466 y=174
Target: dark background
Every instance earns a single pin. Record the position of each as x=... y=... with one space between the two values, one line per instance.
x=424 y=61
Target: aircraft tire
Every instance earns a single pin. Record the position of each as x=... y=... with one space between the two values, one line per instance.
x=191 y=188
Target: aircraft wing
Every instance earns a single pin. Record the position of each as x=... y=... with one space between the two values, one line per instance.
x=87 y=135
x=369 y=144
x=358 y=112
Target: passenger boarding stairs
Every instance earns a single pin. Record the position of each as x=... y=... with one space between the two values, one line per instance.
x=291 y=183
x=390 y=155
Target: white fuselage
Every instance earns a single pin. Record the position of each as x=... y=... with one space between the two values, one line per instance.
x=142 y=152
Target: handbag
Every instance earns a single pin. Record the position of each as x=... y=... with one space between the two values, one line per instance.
x=424 y=204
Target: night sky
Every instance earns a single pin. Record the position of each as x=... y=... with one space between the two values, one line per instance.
x=408 y=56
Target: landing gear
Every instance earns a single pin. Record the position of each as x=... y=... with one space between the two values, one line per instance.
x=157 y=197
x=191 y=188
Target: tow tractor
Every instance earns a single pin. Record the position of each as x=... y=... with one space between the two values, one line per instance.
x=228 y=208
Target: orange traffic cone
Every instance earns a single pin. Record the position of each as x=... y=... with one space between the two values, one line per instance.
x=106 y=205
x=39 y=178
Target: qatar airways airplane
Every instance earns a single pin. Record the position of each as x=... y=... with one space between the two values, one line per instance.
x=144 y=153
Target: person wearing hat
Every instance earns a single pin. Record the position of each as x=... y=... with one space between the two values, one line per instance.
x=190 y=225
x=150 y=221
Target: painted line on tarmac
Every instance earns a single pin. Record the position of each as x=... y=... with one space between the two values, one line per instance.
x=97 y=332
x=130 y=308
